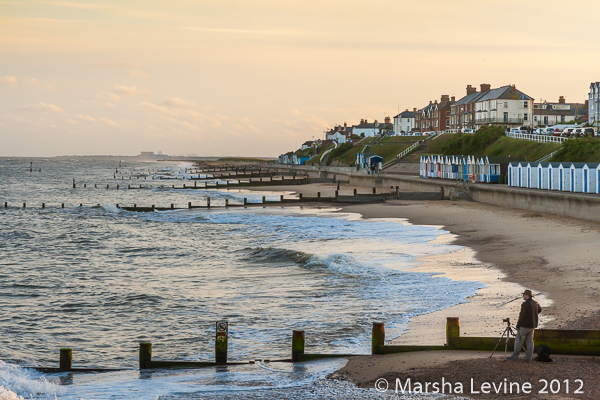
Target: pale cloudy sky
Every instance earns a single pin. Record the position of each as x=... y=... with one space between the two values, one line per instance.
x=259 y=77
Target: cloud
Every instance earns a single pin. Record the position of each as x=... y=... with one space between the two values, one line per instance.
x=157 y=108
x=109 y=122
x=8 y=80
x=129 y=90
x=108 y=96
x=43 y=107
x=85 y=117
x=112 y=65
x=176 y=102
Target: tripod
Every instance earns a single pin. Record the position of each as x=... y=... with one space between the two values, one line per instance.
x=506 y=335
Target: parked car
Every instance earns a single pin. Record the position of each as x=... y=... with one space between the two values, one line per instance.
x=577 y=132
x=557 y=132
x=539 y=131
x=514 y=130
x=566 y=132
x=467 y=130
x=588 y=132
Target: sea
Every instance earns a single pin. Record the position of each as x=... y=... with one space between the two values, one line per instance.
x=99 y=280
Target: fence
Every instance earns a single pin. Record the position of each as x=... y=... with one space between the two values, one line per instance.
x=537 y=138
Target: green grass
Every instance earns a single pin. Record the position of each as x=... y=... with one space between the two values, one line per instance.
x=401 y=139
x=490 y=141
x=579 y=150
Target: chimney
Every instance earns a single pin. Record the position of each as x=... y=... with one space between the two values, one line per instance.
x=471 y=90
x=431 y=102
x=387 y=120
x=362 y=121
x=561 y=100
x=407 y=110
x=415 y=109
x=445 y=98
x=376 y=123
x=452 y=99
x=485 y=87
x=513 y=88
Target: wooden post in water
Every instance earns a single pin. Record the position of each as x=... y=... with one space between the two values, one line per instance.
x=263 y=199
x=190 y=204
x=6 y=204
x=24 y=205
x=355 y=191
x=222 y=330
x=85 y=185
x=208 y=202
x=318 y=195
x=336 y=193
x=245 y=201
x=226 y=202
x=338 y=186
x=300 y=196
x=65 y=362
x=452 y=330
x=62 y=205
x=43 y=205
x=374 y=191
x=145 y=355
x=73 y=183
x=195 y=182
x=81 y=205
x=297 y=345
x=117 y=187
x=172 y=206
x=152 y=207
x=281 y=198
x=377 y=337
x=106 y=187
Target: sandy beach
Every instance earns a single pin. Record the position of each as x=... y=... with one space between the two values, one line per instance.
x=507 y=250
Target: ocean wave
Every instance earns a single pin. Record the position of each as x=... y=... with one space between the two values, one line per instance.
x=340 y=264
x=16 y=382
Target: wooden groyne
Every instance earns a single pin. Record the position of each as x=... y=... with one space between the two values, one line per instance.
x=566 y=342
x=560 y=341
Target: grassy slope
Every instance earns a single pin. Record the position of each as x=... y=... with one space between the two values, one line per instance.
x=579 y=150
x=500 y=145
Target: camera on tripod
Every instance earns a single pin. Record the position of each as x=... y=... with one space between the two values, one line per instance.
x=507 y=320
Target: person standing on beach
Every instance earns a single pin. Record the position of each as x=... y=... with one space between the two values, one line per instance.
x=528 y=321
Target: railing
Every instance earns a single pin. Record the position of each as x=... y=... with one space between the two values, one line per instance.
x=547 y=157
x=537 y=138
x=499 y=121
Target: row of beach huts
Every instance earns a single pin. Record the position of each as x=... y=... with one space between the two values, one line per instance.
x=561 y=176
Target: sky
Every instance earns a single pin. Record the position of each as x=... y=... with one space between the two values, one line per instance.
x=260 y=77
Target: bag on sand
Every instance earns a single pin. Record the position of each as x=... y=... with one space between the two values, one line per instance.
x=544 y=354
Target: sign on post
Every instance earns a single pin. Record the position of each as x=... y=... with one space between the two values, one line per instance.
x=222 y=331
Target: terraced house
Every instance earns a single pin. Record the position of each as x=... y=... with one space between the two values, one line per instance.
x=504 y=106
x=435 y=117
x=462 y=112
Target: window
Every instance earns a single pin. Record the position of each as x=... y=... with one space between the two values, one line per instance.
x=525 y=104
x=535 y=118
x=506 y=104
x=562 y=118
x=526 y=117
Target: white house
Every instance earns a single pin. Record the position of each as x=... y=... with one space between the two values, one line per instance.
x=503 y=106
x=404 y=122
x=594 y=103
x=370 y=129
x=340 y=134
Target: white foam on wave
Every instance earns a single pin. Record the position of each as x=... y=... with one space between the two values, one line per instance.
x=111 y=208
x=16 y=382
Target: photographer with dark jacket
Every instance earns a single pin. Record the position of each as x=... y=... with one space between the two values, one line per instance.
x=528 y=321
